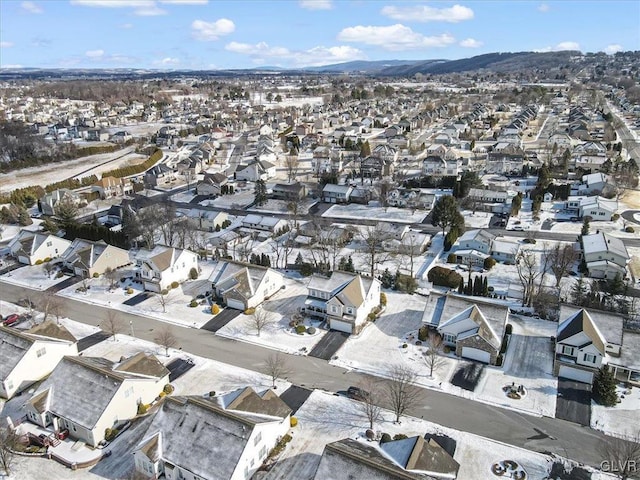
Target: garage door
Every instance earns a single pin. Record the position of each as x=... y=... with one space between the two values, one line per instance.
x=234 y=303
x=340 y=326
x=575 y=374
x=475 y=354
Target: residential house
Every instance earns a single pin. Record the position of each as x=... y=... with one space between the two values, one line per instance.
x=591 y=184
x=264 y=223
x=473 y=327
x=289 y=191
x=598 y=208
x=411 y=198
x=436 y=166
x=112 y=187
x=26 y=357
x=344 y=300
x=243 y=285
x=88 y=258
x=159 y=174
x=211 y=184
x=101 y=395
x=336 y=193
x=255 y=170
x=413 y=458
x=47 y=203
x=31 y=248
x=160 y=267
x=473 y=246
x=604 y=255
x=587 y=339
x=207 y=220
x=505 y=251
x=222 y=438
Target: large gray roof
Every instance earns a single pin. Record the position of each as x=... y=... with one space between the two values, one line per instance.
x=13 y=347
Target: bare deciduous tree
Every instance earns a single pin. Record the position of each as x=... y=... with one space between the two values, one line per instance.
x=57 y=307
x=46 y=304
x=112 y=275
x=432 y=354
x=528 y=273
x=162 y=299
x=259 y=319
x=562 y=259
x=372 y=239
x=401 y=391
x=112 y=324
x=8 y=444
x=622 y=457
x=48 y=267
x=166 y=339
x=276 y=367
x=369 y=404
x=292 y=164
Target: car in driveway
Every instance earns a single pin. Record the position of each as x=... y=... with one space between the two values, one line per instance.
x=11 y=320
x=357 y=393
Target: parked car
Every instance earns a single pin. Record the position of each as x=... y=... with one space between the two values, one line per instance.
x=11 y=320
x=357 y=393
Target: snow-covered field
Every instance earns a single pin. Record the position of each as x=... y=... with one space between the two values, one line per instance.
x=237 y=200
x=476 y=219
x=32 y=276
x=621 y=420
x=325 y=418
x=390 y=214
x=278 y=334
x=281 y=206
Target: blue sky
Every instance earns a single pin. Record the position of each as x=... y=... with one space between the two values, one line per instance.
x=210 y=34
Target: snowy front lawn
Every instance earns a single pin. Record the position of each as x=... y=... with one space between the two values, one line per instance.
x=390 y=214
x=621 y=420
x=32 y=276
x=277 y=334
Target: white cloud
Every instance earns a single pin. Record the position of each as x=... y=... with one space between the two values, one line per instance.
x=471 y=43
x=31 y=7
x=208 y=31
x=393 y=37
x=126 y=26
x=423 y=13
x=6 y=44
x=143 y=8
x=613 y=48
x=11 y=65
x=561 y=46
x=543 y=7
x=94 y=53
x=167 y=61
x=262 y=52
x=316 y=4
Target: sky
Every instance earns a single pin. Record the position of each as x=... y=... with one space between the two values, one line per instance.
x=220 y=34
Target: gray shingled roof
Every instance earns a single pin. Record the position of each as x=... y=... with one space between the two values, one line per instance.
x=13 y=347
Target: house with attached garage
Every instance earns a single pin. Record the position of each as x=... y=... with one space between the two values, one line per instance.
x=32 y=247
x=26 y=357
x=160 y=267
x=598 y=208
x=222 y=438
x=336 y=193
x=211 y=184
x=87 y=395
x=472 y=327
x=413 y=458
x=344 y=300
x=473 y=247
x=587 y=339
x=605 y=256
x=88 y=258
x=243 y=285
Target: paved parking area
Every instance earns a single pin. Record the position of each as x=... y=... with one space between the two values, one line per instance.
x=529 y=356
x=574 y=401
x=92 y=340
x=295 y=397
x=329 y=345
x=468 y=376
x=179 y=367
x=137 y=299
x=220 y=320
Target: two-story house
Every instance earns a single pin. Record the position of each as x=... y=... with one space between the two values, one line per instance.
x=87 y=257
x=211 y=184
x=473 y=246
x=112 y=187
x=28 y=356
x=243 y=285
x=604 y=255
x=435 y=166
x=598 y=208
x=101 y=395
x=344 y=300
x=47 y=203
x=332 y=193
x=226 y=438
x=160 y=267
x=31 y=247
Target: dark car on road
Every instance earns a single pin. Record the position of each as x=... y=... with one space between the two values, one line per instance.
x=357 y=393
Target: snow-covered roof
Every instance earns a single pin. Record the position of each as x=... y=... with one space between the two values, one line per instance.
x=603 y=242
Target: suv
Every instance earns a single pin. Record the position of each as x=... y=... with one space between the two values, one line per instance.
x=357 y=393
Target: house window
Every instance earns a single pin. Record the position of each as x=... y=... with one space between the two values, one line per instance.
x=256 y=440
x=41 y=351
x=589 y=358
x=334 y=309
x=9 y=384
x=49 y=244
x=566 y=350
x=449 y=337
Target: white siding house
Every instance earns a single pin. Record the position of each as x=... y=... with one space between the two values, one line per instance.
x=163 y=265
x=28 y=247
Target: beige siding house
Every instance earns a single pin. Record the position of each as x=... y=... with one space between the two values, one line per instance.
x=87 y=258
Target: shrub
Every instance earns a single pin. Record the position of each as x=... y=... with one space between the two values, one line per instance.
x=96 y=274
x=300 y=329
x=371 y=317
x=39 y=262
x=444 y=277
x=293 y=323
x=400 y=436
x=250 y=311
x=212 y=393
x=193 y=303
x=47 y=259
x=404 y=345
x=164 y=292
x=446 y=349
x=490 y=288
x=423 y=333
x=162 y=395
x=508 y=329
x=418 y=342
x=383 y=299
x=280 y=446
x=311 y=330
x=168 y=389
x=385 y=438
x=59 y=274
x=215 y=309
x=405 y=283
x=193 y=273
x=629 y=229
x=129 y=291
x=142 y=408
x=111 y=433
x=615 y=217
x=175 y=284
x=293 y=421
x=370 y=434
x=489 y=263
x=451 y=258
x=499 y=360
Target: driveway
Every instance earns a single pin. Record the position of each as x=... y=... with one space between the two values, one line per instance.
x=295 y=397
x=574 y=401
x=67 y=282
x=179 y=367
x=529 y=356
x=92 y=340
x=137 y=299
x=221 y=319
x=468 y=376
x=329 y=345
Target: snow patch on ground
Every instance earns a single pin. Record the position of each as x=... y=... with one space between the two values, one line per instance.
x=621 y=420
x=390 y=214
x=32 y=276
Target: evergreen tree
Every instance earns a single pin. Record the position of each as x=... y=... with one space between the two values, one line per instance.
x=349 y=267
x=260 y=193
x=386 y=279
x=485 y=287
x=477 y=287
x=469 y=289
x=604 y=387
x=579 y=292
x=461 y=286
x=342 y=264
x=299 y=260
x=585 y=226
